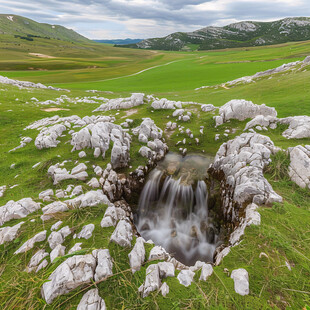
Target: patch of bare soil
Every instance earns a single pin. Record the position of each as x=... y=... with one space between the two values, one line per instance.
x=41 y=55
x=130 y=112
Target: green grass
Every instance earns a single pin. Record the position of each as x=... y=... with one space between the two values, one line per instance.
x=284 y=232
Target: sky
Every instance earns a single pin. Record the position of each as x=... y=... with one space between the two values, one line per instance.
x=120 y=19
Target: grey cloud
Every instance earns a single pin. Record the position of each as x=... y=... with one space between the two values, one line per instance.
x=177 y=14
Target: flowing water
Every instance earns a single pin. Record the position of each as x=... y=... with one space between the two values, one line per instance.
x=173 y=209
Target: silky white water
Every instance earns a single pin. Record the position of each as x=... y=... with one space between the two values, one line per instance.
x=173 y=209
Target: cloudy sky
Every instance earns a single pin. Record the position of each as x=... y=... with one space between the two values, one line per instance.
x=111 y=19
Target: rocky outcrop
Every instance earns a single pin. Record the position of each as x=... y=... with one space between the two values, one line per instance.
x=89 y=199
x=241 y=110
x=60 y=174
x=36 y=262
x=299 y=169
x=53 y=208
x=48 y=136
x=299 y=127
x=262 y=121
x=70 y=274
x=147 y=130
x=17 y=210
x=2 y=190
x=24 y=84
x=136 y=99
x=239 y=165
x=207 y=108
x=166 y=104
x=98 y=137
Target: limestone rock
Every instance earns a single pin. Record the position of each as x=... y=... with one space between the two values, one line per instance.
x=58 y=251
x=70 y=274
x=86 y=231
x=47 y=138
x=75 y=248
x=164 y=289
x=241 y=110
x=29 y=244
x=104 y=264
x=8 y=234
x=36 y=260
x=152 y=280
x=17 y=210
x=91 y=301
x=208 y=107
x=299 y=127
x=89 y=199
x=52 y=208
x=122 y=234
x=166 y=269
x=299 y=169
x=186 y=277
x=158 y=253
x=241 y=281
x=137 y=255
x=206 y=272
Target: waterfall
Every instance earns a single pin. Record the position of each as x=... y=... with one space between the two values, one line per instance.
x=174 y=214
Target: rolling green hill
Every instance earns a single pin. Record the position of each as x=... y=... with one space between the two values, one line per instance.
x=27 y=29
x=242 y=34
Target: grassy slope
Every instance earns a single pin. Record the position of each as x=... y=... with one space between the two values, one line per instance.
x=283 y=235
x=18 y=25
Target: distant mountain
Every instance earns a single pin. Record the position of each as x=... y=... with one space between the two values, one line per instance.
x=242 y=34
x=120 y=41
x=28 y=29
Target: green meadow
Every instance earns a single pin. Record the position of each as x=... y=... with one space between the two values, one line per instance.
x=285 y=230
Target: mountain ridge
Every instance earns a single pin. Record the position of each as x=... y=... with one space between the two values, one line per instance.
x=28 y=29
x=240 y=34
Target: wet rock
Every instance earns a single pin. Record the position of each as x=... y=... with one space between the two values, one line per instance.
x=70 y=274
x=29 y=244
x=241 y=281
x=91 y=301
x=122 y=234
x=186 y=277
x=137 y=255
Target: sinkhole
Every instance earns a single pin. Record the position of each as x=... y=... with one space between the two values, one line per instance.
x=179 y=209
